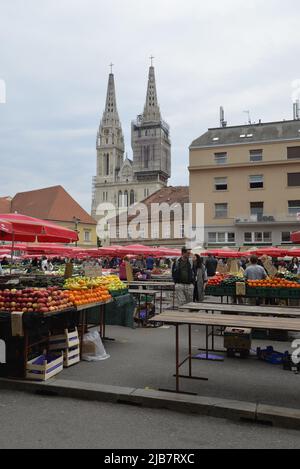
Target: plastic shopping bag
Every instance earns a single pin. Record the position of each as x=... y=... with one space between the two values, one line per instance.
x=93 y=349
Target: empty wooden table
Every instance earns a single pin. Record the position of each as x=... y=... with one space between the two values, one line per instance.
x=179 y=318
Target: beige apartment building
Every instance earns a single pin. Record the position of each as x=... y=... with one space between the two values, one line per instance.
x=248 y=177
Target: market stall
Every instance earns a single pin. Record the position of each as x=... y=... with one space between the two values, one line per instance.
x=44 y=318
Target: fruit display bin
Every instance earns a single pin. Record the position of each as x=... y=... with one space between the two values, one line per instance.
x=116 y=293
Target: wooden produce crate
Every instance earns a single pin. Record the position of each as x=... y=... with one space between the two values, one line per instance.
x=64 y=341
x=44 y=367
x=71 y=356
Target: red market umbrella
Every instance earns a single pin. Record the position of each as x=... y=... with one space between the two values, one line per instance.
x=167 y=252
x=137 y=249
x=17 y=227
x=23 y=228
x=296 y=237
x=225 y=253
x=271 y=251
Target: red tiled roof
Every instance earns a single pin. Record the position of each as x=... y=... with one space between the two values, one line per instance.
x=169 y=195
x=52 y=203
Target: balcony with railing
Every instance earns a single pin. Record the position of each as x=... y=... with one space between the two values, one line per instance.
x=266 y=219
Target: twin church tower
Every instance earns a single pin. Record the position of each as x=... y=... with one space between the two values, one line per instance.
x=121 y=181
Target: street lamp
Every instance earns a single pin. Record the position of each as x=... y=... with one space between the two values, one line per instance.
x=76 y=221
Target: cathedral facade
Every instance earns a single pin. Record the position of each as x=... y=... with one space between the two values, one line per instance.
x=121 y=181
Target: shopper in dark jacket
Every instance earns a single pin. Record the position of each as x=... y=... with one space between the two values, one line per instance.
x=184 y=278
x=211 y=265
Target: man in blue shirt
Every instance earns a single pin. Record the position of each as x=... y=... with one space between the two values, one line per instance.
x=150 y=263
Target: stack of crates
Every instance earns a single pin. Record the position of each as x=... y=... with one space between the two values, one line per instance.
x=68 y=343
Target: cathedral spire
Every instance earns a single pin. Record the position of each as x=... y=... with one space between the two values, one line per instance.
x=151 y=109
x=111 y=111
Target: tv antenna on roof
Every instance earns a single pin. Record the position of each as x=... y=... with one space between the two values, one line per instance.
x=249 y=117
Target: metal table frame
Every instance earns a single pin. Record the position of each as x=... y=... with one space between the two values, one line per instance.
x=161 y=286
x=146 y=293
x=176 y=319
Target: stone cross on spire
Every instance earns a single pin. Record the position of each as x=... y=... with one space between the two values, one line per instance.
x=151 y=109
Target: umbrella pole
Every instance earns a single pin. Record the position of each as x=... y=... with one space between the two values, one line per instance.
x=12 y=250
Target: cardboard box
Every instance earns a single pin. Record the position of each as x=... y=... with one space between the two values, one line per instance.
x=238 y=339
x=17 y=324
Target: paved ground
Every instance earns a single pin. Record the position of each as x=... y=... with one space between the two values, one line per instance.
x=29 y=421
x=145 y=358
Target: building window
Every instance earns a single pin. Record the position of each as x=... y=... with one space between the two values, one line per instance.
x=256 y=156
x=231 y=238
x=105 y=196
x=258 y=237
x=131 y=197
x=221 y=238
x=126 y=199
x=294 y=207
x=221 y=184
x=146 y=157
x=221 y=158
x=146 y=193
x=293 y=179
x=293 y=153
x=167 y=232
x=257 y=210
x=221 y=210
x=212 y=238
x=248 y=238
x=256 y=182
x=286 y=237
x=106 y=164
x=87 y=236
x=155 y=231
x=120 y=199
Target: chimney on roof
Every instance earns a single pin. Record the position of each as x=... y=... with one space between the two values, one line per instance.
x=223 y=123
x=296 y=107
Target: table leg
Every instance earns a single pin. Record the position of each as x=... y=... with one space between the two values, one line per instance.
x=177 y=358
x=161 y=298
x=25 y=354
x=103 y=313
x=190 y=350
x=81 y=328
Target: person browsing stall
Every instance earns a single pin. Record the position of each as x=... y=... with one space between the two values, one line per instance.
x=184 y=278
x=255 y=271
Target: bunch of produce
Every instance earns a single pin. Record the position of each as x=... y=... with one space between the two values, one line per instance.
x=83 y=283
x=231 y=281
x=225 y=280
x=157 y=271
x=41 y=281
x=85 y=296
x=28 y=300
x=273 y=283
x=112 y=283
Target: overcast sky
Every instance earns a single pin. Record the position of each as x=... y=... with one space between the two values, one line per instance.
x=55 y=56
